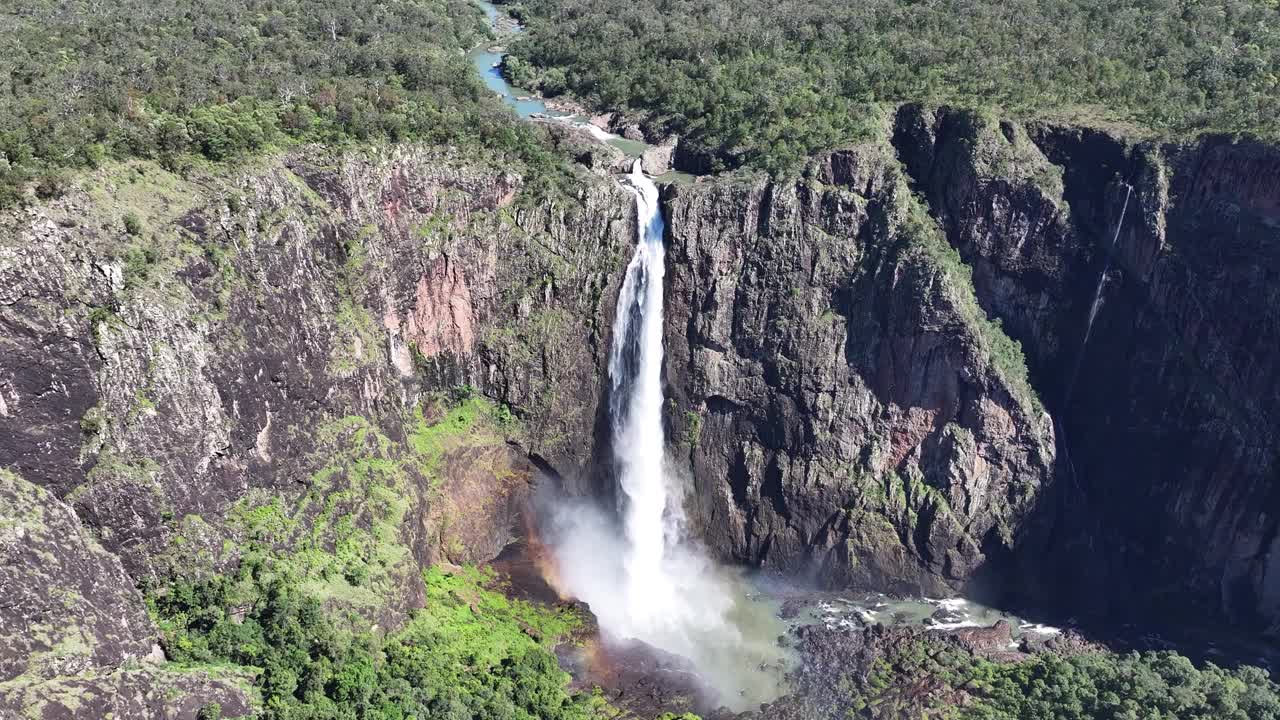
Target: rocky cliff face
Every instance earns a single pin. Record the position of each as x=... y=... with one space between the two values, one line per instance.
x=837 y=394
x=75 y=641
x=298 y=356
x=187 y=367
x=1168 y=413
x=377 y=350
x=374 y=351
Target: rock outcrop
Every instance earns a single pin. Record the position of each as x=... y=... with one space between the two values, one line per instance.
x=657 y=159
x=69 y=605
x=75 y=639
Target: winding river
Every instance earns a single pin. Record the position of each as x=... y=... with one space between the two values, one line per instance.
x=487 y=59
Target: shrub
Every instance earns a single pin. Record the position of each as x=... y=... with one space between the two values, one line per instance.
x=91 y=423
x=52 y=184
x=132 y=224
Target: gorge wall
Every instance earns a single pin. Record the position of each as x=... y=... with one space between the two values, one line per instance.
x=379 y=350
x=317 y=355
x=838 y=393
x=1168 y=415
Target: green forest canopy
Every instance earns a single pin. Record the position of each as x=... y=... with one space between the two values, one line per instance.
x=751 y=82
x=1087 y=686
x=177 y=80
x=766 y=82
x=470 y=654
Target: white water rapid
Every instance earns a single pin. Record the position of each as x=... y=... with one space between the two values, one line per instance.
x=643 y=580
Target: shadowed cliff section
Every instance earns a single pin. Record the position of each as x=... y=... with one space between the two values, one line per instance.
x=1168 y=414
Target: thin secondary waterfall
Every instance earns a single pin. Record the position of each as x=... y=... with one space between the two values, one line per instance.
x=1084 y=342
x=1097 y=295
x=635 y=374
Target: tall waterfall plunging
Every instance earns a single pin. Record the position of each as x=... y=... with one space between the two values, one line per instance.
x=635 y=410
x=643 y=580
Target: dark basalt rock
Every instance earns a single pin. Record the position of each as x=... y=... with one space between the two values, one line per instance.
x=1168 y=414
x=75 y=639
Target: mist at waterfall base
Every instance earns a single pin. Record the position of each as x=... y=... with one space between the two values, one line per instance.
x=641 y=576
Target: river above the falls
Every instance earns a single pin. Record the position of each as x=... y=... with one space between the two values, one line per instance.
x=487 y=61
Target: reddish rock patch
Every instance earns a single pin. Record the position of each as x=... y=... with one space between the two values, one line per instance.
x=441 y=320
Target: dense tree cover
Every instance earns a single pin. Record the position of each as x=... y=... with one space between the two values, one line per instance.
x=88 y=80
x=765 y=82
x=470 y=654
x=1121 y=687
x=1091 y=686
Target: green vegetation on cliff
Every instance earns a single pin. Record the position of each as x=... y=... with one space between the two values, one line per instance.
x=469 y=653
x=934 y=679
x=343 y=539
x=184 y=81
x=327 y=610
x=1003 y=352
x=767 y=83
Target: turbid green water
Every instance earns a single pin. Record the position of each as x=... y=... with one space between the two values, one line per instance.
x=740 y=660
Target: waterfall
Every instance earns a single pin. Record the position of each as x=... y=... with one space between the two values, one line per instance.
x=643 y=580
x=1097 y=297
x=1097 y=293
x=1059 y=425
x=635 y=409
